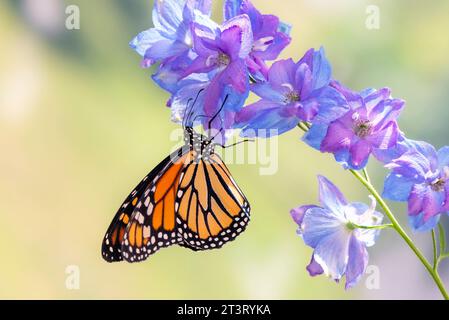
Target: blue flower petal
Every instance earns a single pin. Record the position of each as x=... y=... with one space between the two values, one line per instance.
x=330 y=253
x=231 y=8
x=191 y=91
x=387 y=155
x=357 y=262
x=321 y=69
x=373 y=97
x=282 y=74
x=428 y=151
x=285 y=28
x=331 y=104
x=364 y=215
x=319 y=223
x=168 y=15
x=443 y=157
x=145 y=40
x=397 y=187
x=267 y=92
x=164 y=49
x=330 y=196
x=314 y=268
x=264 y=119
x=424 y=200
x=298 y=215
x=344 y=157
x=203 y=6
x=315 y=135
x=414 y=164
x=269 y=124
x=168 y=75
x=418 y=224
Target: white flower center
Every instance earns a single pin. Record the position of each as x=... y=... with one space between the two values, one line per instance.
x=220 y=60
x=262 y=44
x=438 y=185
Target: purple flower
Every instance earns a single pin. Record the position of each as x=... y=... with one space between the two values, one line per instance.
x=292 y=92
x=404 y=144
x=387 y=155
x=221 y=53
x=200 y=61
x=420 y=176
x=170 y=41
x=369 y=125
x=187 y=104
x=332 y=230
x=270 y=36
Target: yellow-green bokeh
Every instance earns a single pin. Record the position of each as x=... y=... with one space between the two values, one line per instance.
x=81 y=123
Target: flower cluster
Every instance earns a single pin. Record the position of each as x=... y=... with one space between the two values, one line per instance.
x=209 y=69
x=209 y=63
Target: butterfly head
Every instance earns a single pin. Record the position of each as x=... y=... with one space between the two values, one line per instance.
x=201 y=144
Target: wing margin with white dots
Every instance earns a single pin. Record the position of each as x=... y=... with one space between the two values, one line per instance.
x=112 y=241
x=145 y=236
x=211 y=208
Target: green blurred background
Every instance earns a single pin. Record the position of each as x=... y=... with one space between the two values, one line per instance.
x=81 y=123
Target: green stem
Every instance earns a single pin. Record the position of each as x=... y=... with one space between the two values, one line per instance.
x=433 y=273
x=365 y=173
x=442 y=236
x=435 y=254
x=382 y=226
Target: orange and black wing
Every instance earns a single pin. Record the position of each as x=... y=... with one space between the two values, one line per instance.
x=185 y=201
x=112 y=243
x=211 y=208
x=153 y=222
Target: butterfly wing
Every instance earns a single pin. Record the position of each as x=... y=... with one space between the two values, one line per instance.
x=196 y=204
x=211 y=208
x=153 y=223
x=112 y=241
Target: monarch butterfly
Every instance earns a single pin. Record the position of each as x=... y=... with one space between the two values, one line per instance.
x=189 y=199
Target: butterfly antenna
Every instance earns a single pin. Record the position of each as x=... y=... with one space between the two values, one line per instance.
x=200 y=116
x=186 y=112
x=235 y=144
x=217 y=113
x=213 y=138
x=193 y=104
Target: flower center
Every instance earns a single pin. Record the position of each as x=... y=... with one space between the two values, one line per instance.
x=262 y=44
x=351 y=226
x=292 y=96
x=223 y=59
x=438 y=185
x=362 y=128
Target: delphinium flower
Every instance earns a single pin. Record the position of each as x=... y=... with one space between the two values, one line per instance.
x=335 y=231
x=200 y=60
x=370 y=124
x=208 y=63
x=420 y=176
x=221 y=53
x=293 y=92
x=190 y=98
x=270 y=35
x=170 y=41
